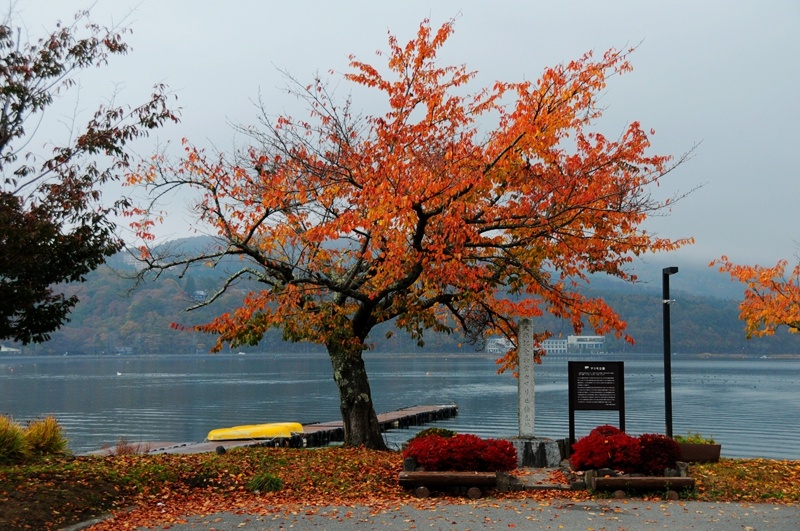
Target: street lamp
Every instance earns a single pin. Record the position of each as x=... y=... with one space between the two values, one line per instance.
x=665 y=273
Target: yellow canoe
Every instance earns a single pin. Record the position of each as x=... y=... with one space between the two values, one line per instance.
x=256 y=431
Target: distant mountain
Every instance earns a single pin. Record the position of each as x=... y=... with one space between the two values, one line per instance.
x=692 y=277
x=116 y=317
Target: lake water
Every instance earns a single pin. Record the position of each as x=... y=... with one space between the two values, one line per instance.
x=749 y=405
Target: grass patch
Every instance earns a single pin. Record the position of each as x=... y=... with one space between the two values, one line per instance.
x=39 y=438
x=45 y=437
x=750 y=480
x=265 y=482
x=126 y=447
x=13 y=445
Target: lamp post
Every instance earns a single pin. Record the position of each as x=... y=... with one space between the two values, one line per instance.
x=665 y=273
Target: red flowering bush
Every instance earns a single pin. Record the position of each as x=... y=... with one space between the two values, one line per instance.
x=606 y=430
x=625 y=452
x=606 y=447
x=657 y=453
x=462 y=452
x=589 y=452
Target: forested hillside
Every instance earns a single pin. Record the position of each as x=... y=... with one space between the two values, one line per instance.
x=115 y=316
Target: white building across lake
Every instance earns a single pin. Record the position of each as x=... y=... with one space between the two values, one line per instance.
x=568 y=345
x=586 y=344
x=498 y=345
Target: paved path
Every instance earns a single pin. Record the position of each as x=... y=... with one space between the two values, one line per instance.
x=611 y=515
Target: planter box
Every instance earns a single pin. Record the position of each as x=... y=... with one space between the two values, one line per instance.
x=700 y=453
x=448 y=479
x=646 y=483
x=471 y=481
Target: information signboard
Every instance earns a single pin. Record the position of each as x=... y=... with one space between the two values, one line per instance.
x=596 y=385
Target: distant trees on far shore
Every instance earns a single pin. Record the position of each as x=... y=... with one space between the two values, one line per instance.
x=112 y=319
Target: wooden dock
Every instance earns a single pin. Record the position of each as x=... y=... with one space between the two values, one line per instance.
x=324 y=433
x=314 y=435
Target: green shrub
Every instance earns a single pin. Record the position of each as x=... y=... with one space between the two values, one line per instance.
x=265 y=482
x=13 y=444
x=694 y=438
x=45 y=437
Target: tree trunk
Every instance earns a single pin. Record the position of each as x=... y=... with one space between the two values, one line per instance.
x=361 y=426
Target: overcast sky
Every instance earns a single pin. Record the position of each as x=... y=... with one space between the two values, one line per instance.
x=724 y=74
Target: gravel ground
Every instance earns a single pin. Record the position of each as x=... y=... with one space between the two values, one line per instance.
x=611 y=515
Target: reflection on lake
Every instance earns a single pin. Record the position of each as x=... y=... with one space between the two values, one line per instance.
x=750 y=406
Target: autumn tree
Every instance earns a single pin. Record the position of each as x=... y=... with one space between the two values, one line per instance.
x=54 y=228
x=771 y=299
x=425 y=215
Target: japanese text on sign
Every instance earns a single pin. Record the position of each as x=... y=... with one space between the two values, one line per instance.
x=596 y=385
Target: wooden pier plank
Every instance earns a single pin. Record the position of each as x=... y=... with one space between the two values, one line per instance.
x=315 y=434
x=405 y=416
x=322 y=434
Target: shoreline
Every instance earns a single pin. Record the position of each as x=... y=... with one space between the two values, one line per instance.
x=14 y=356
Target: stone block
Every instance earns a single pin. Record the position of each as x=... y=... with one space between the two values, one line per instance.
x=589 y=477
x=538 y=452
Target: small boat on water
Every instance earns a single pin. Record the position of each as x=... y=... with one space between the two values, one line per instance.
x=273 y=430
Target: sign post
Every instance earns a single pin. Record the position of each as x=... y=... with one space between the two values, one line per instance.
x=596 y=385
x=531 y=451
x=665 y=273
x=525 y=382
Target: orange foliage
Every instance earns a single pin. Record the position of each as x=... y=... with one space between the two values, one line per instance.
x=420 y=215
x=770 y=299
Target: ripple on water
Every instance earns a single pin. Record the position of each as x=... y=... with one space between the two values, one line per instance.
x=749 y=406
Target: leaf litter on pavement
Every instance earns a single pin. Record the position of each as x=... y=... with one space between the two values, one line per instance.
x=162 y=490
